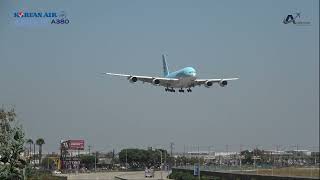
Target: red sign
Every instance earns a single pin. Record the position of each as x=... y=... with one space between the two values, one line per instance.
x=75 y=144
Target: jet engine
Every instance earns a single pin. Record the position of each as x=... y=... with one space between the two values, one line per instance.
x=207 y=84
x=133 y=79
x=155 y=81
x=223 y=83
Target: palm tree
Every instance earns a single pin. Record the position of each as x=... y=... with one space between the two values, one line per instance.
x=30 y=142
x=40 y=142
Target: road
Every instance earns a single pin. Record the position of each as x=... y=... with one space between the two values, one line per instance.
x=111 y=175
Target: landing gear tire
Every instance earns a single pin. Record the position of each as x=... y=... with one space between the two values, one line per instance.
x=189 y=90
x=181 y=90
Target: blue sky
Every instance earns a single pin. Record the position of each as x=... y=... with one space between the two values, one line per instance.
x=51 y=73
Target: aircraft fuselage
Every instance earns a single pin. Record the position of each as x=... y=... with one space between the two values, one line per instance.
x=186 y=77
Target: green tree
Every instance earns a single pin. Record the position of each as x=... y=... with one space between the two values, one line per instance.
x=48 y=163
x=139 y=158
x=247 y=157
x=40 y=142
x=88 y=161
x=11 y=146
x=6 y=119
x=260 y=155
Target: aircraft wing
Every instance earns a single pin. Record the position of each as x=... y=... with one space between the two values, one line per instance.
x=200 y=82
x=162 y=81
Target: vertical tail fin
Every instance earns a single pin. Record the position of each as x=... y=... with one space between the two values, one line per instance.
x=165 y=66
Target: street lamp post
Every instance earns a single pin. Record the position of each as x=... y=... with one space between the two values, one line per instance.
x=126 y=160
x=161 y=164
x=95 y=162
x=198 y=162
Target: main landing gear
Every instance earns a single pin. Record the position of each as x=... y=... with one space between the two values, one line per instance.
x=180 y=90
x=170 y=90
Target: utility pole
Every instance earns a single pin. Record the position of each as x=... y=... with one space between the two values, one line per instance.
x=171 y=148
x=160 y=163
x=297 y=155
x=34 y=154
x=298 y=150
x=89 y=147
x=95 y=162
x=227 y=149
x=165 y=158
x=198 y=162
x=254 y=157
x=273 y=158
x=126 y=159
x=240 y=163
x=184 y=155
x=278 y=154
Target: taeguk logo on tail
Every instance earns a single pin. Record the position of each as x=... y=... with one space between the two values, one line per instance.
x=20 y=14
x=40 y=18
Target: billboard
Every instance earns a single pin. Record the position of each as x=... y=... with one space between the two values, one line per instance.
x=73 y=144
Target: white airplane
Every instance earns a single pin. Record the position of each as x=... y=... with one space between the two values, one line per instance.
x=183 y=78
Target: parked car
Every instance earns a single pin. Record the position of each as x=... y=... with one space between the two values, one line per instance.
x=56 y=172
x=149 y=173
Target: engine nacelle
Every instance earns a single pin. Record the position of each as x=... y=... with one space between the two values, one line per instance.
x=133 y=79
x=208 y=84
x=156 y=82
x=223 y=83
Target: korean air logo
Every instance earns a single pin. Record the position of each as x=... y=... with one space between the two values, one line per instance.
x=36 y=18
x=21 y=14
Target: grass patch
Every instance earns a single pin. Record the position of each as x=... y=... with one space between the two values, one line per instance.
x=290 y=171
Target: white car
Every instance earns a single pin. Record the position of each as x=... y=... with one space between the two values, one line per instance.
x=56 y=172
x=148 y=173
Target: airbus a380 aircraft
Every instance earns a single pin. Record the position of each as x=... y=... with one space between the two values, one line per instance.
x=183 y=78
